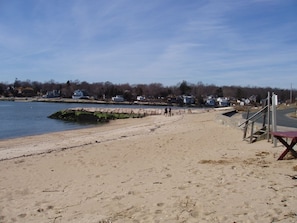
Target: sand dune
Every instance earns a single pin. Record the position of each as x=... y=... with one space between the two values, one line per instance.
x=184 y=168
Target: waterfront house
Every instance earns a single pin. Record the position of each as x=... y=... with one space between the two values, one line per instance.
x=52 y=94
x=188 y=99
x=118 y=98
x=80 y=94
x=210 y=101
x=140 y=98
x=223 y=102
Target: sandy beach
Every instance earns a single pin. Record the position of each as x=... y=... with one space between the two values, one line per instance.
x=184 y=168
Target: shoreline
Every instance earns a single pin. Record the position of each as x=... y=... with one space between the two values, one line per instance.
x=24 y=146
x=184 y=168
x=18 y=126
x=30 y=145
x=129 y=110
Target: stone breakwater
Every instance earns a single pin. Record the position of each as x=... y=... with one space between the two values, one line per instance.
x=102 y=115
x=141 y=111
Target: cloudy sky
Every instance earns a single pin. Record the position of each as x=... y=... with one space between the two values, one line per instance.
x=221 y=42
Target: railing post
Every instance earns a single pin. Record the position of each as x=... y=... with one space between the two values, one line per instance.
x=245 y=129
x=252 y=132
x=246 y=124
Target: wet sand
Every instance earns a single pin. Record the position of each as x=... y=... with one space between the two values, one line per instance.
x=184 y=168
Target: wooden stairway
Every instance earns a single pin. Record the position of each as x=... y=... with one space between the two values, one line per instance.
x=258 y=135
x=255 y=135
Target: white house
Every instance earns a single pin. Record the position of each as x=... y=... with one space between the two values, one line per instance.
x=210 y=101
x=140 y=98
x=223 y=102
x=80 y=94
x=188 y=99
x=118 y=98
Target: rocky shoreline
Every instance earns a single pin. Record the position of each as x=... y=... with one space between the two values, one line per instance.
x=86 y=116
x=102 y=115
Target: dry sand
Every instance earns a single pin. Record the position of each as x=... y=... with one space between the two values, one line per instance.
x=184 y=168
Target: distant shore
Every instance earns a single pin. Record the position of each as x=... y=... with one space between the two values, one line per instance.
x=88 y=101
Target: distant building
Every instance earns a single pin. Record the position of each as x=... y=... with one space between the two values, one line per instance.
x=28 y=92
x=210 y=101
x=188 y=100
x=223 y=102
x=140 y=98
x=80 y=94
x=24 y=92
x=118 y=98
x=52 y=94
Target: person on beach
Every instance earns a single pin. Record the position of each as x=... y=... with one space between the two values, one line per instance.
x=169 y=112
x=165 y=112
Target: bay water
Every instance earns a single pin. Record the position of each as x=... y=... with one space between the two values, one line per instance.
x=21 y=118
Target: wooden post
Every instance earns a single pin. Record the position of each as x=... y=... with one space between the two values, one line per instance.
x=246 y=124
x=252 y=132
x=245 y=129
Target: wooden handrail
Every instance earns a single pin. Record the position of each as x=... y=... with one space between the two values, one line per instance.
x=254 y=115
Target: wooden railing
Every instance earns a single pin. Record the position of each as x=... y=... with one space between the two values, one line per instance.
x=250 y=122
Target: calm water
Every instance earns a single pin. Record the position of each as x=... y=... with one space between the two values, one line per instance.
x=30 y=118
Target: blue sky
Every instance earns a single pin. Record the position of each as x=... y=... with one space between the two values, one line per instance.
x=221 y=42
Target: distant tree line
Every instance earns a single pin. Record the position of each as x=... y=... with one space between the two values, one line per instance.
x=153 y=91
